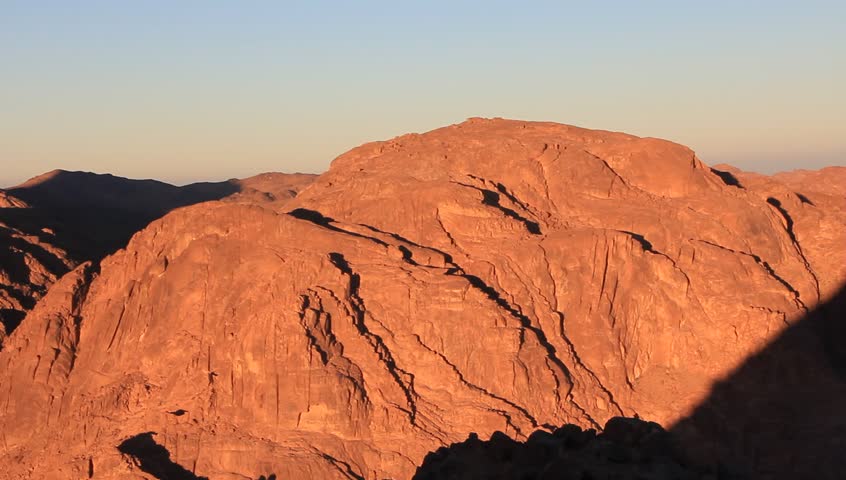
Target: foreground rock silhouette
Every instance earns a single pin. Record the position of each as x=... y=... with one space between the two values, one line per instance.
x=489 y=276
x=777 y=416
x=626 y=448
x=780 y=414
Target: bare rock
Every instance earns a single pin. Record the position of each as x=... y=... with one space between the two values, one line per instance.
x=8 y=201
x=74 y=217
x=491 y=276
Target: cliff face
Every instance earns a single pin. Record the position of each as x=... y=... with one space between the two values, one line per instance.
x=53 y=222
x=492 y=275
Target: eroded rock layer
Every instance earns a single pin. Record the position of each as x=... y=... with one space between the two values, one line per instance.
x=489 y=276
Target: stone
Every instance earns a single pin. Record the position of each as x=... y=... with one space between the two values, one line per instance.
x=490 y=276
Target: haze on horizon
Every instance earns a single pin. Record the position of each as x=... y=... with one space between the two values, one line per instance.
x=208 y=90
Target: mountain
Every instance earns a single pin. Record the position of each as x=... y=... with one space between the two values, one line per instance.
x=8 y=201
x=494 y=275
x=29 y=264
x=95 y=214
x=829 y=181
x=53 y=222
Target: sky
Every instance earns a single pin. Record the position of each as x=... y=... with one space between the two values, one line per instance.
x=207 y=90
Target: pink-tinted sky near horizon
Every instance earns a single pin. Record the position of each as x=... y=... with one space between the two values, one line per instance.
x=190 y=90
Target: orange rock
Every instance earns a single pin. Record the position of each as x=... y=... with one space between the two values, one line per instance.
x=72 y=217
x=489 y=276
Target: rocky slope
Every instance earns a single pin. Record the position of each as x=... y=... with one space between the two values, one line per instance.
x=51 y=223
x=489 y=276
x=29 y=264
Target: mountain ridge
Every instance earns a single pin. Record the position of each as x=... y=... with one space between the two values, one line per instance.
x=489 y=276
x=60 y=219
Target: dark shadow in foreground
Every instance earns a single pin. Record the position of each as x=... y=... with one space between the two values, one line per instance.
x=627 y=448
x=154 y=459
x=780 y=415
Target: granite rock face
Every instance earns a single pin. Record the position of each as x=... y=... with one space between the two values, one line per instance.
x=489 y=276
x=73 y=217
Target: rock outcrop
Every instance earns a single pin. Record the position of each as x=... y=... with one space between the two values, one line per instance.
x=489 y=276
x=270 y=189
x=29 y=264
x=8 y=201
x=51 y=223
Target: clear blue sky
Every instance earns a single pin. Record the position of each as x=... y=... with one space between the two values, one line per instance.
x=193 y=90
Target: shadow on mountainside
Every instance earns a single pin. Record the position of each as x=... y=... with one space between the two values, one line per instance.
x=727 y=177
x=86 y=215
x=55 y=221
x=780 y=415
x=154 y=459
x=92 y=215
